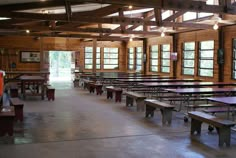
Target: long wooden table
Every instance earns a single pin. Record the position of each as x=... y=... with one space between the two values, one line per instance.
x=157 y=80
x=185 y=84
x=230 y=101
x=188 y=92
x=35 y=85
x=14 y=75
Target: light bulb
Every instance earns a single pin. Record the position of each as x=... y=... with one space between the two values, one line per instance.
x=130 y=39
x=215 y=27
x=130 y=6
x=162 y=34
x=27 y=31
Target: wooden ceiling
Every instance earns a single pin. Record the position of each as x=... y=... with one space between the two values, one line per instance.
x=109 y=19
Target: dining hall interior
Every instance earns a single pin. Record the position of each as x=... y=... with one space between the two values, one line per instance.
x=113 y=78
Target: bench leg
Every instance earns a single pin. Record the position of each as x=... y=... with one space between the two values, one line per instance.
x=166 y=116
x=109 y=94
x=118 y=96
x=196 y=126
x=99 y=90
x=149 y=111
x=224 y=136
x=91 y=89
x=140 y=104
x=129 y=101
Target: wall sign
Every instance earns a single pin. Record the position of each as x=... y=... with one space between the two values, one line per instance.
x=30 y=56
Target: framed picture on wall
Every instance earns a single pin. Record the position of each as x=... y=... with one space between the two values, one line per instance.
x=30 y=56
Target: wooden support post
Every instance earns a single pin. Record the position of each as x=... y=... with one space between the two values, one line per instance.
x=94 y=54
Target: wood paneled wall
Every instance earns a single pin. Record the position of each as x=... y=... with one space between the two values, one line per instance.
x=203 y=35
x=13 y=45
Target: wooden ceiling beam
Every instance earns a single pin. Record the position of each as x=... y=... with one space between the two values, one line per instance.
x=158 y=16
x=68 y=10
x=109 y=20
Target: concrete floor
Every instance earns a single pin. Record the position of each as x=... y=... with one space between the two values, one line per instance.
x=79 y=124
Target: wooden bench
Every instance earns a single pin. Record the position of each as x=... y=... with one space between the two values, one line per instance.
x=50 y=93
x=98 y=86
x=14 y=91
x=139 y=98
x=166 y=109
x=18 y=105
x=76 y=82
x=7 y=115
x=118 y=93
x=223 y=126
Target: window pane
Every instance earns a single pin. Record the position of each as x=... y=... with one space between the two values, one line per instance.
x=207 y=54
x=207 y=45
x=189 y=55
x=165 y=69
x=189 y=46
x=154 y=48
x=88 y=66
x=188 y=71
x=206 y=72
x=110 y=66
x=206 y=64
x=88 y=49
x=165 y=47
x=110 y=61
x=166 y=62
x=188 y=63
x=154 y=62
x=166 y=55
x=154 y=68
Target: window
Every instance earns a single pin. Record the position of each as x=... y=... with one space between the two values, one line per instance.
x=234 y=60
x=139 y=56
x=88 y=55
x=131 y=58
x=165 y=58
x=154 y=58
x=111 y=58
x=89 y=58
x=188 y=58
x=206 y=58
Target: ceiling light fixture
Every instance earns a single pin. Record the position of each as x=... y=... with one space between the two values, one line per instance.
x=162 y=34
x=27 y=31
x=130 y=7
x=215 y=26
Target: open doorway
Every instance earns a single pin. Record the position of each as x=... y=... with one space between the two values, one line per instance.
x=61 y=65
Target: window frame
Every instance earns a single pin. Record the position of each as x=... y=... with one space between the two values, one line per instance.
x=184 y=50
x=151 y=58
x=117 y=53
x=163 y=58
x=200 y=50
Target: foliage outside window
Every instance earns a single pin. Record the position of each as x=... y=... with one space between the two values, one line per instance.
x=131 y=58
x=88 y=55
x=234 y=60
x=89 y=58
x=188 y=58
x=111 y=58
x=165 y=58
x=139 y=57
x=206 y=58
x=154 y=58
